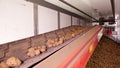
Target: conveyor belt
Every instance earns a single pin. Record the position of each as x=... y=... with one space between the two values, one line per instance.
x=31 y=62
x=64 y=57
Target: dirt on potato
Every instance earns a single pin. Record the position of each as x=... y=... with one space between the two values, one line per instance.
x=106 y=55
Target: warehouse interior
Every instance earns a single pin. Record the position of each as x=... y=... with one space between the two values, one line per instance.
x=59 y=34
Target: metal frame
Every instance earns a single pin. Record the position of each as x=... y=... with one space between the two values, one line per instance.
x=35 y=7
x=71 y=21
x=58 y=20
x=113 y=7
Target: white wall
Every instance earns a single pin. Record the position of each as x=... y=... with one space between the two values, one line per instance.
x=48 y=19
x=16 y=20
x=75 y=21
x=65 y=20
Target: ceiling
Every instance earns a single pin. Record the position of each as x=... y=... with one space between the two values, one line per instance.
x=94 y=8
x=64 y=6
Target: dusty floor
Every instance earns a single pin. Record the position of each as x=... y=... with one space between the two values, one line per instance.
x=106 y=55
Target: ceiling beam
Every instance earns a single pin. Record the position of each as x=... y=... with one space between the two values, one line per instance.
x=63 y=1
x=113 y=8
x=57 y=8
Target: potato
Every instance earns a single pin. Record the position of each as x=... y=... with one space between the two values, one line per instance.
x=56 y=43
x=31 y=49
x=13 y=62
x=31 y=52
x=50 y=43
x=67 y=36
x=3 y=65
x=37 y=52
x=73 y=34
x=39 y=47
x=43 y=48
x=61 y=41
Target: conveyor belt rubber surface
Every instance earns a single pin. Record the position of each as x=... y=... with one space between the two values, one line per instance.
x=106 y=55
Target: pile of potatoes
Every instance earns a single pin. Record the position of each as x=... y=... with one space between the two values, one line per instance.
x=69 y=35
x=77 y=30
x=33 y=51
x=11 y=62
x=55 y=42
